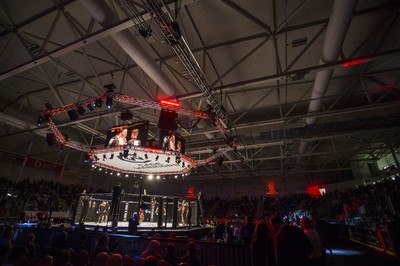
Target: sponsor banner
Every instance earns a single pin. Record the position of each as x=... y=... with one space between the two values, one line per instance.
x=43 y=165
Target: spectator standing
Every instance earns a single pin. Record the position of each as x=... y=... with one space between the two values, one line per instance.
x=315 y=257
x=292 y=247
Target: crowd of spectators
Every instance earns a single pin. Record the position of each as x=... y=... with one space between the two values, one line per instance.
x=233 y=222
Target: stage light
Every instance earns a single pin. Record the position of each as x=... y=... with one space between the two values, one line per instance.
x=158 y=177
x=80 y=110
x=48 y=106
x=111 y=173
x=168 y=103
x=112 y=156
x=40 y=121
x=106 y=171
x=150 y=177
x=126 y=152
x=163 y=178
x=98 y=103
x=100 y=169
x=104 y=157
x=90 y=106
x=118 y=174
x=93 y=166
x=168 y=159
x=126 y=175
x=157 y=157
x=109 y=102
x=175 y=176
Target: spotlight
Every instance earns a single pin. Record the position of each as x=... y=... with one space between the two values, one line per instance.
x=80 y=110
x=106 y=171
x=157 y=157
x=112 y=156
x=100 y=169
x=111 y=173
x=98 y=103
x=104 y=157
x=150 y=177
x=90 y=107
x=158 y=177
x=175 y=176
x=126 y=152
x=48 y=106
x=126 y=175
x=167 y=161
x=109 y=102
x=87 y=158
x=40 y=121
x=118 y=174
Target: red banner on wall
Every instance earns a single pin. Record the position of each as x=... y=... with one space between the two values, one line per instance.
x=43 y=165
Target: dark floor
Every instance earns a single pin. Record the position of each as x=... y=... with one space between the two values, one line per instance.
x=347 y=253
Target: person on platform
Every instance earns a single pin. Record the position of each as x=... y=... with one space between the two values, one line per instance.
x=134 y=137
x=153 y=208
x=133 y=223
x=102 y=212
x=184 y=208
x=200 y=207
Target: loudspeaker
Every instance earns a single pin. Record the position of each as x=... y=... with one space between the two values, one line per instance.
x=167 y=120
x=51 y=139
x=72 y=115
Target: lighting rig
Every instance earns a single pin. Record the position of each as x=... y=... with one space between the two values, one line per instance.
x=133 y=159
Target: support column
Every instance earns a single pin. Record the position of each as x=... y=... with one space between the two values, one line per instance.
x=160 y=211
x=24 y=162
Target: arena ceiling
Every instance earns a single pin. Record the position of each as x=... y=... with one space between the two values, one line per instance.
x=306 y=87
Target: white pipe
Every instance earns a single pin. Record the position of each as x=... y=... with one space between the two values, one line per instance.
x=102 y=13
x=339 y=22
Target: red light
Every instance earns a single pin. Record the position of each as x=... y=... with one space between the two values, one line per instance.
x=316 y=189
x=389 y=86
x=169 y=103
x=355 y=62
x=271 y=189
